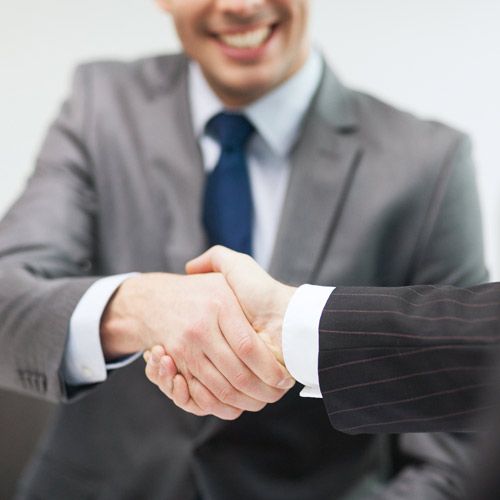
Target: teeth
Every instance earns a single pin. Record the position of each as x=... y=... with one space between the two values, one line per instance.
x=248 y=40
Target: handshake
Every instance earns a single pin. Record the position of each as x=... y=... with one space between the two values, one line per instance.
x=212 y=340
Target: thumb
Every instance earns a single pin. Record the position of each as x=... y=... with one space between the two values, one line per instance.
x=217 y=259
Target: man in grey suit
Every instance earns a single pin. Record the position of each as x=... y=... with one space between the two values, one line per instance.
x=346 y=190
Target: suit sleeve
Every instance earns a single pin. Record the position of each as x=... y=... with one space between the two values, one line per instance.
x=448 y=251
x=46 y=255
x=409 y=359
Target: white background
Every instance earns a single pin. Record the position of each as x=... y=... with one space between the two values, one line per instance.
x=437 y=58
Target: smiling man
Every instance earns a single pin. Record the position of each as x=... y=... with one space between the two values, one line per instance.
x=246 y=139
x=245 y=48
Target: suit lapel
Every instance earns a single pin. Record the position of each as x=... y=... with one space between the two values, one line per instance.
x=323 y=166
x=175 y=164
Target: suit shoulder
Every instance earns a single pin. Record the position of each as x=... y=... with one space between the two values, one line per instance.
x=145 y=74
x=383 y=123
x=404 y=147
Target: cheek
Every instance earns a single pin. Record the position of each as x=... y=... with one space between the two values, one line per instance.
x=189 y=27
x=190 y=40
x=300 y=40
x=297 y=19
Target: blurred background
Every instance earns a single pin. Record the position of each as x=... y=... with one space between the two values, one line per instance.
x=439 y=59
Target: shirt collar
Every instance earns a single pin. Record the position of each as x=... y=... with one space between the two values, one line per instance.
x=277 y=116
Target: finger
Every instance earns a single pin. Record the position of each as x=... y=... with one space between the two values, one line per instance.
x=207 y=402
x=182 y=398
x=215 y=381
x=240 y=378
x=180 y=391
x=168 y=369
x=163 y=373
x=152 y=369
x=201 y=395
x=177 y=388
x=250 y=349
x=215 y=259
x=157 y=351
x=191 y=403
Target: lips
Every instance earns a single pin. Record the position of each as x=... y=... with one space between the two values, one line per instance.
x=247 y=46
x=247 y=40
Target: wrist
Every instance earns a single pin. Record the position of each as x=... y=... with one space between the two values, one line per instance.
x=273 y=327
x=119 y=328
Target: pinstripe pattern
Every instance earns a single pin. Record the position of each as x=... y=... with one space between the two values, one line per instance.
x=409 y=359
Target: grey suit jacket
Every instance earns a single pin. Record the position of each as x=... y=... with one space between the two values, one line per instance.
x=375 y=197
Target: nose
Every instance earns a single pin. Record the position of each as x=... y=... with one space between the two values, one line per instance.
x=240 y=7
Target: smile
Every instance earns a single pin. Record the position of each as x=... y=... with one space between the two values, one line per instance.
x=248 y=39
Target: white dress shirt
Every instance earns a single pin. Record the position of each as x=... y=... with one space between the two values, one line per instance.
x=277 y=118
x=300 y=336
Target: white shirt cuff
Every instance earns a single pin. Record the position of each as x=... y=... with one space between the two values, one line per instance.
x=301 y=336
x=83 y=361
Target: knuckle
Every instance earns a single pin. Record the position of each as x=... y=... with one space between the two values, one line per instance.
x=215 y=303
x=194 y=331
x=246 y=347
x=217 y=249
x=205 y=401
x=275 y=375
x=193 y=365
x=243 y=380
x=227 y=395
x=177 y=350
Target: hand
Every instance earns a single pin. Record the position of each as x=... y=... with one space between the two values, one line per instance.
x=263 y=299
x=199 y=322
x=193 y=398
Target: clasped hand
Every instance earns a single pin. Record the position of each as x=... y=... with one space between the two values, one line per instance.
x=212 y=339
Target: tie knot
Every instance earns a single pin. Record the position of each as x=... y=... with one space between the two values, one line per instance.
x=231 y=130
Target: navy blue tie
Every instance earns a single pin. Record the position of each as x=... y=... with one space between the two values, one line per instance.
x=228 y=209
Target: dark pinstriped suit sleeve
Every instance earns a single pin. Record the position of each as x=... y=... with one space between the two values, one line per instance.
x=409 y=359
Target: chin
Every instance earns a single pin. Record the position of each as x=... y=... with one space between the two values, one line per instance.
x=246 y=92
x=248 y=84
